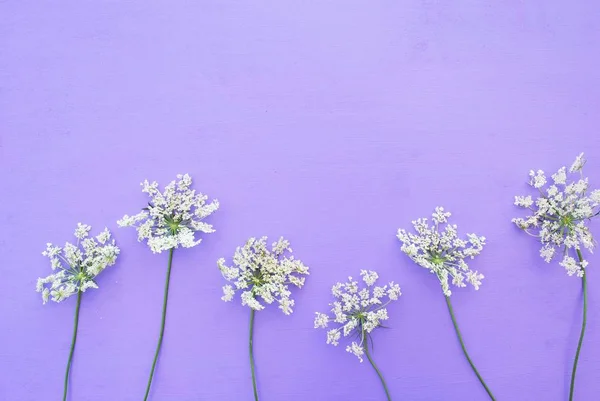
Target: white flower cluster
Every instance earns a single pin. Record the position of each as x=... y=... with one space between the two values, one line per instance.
x=77 y=265
x=262 y=273
x=559 y=215
x=440 y=250
x=357 y=311
x=172 y=216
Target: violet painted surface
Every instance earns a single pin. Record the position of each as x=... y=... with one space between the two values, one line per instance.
x=332 y=123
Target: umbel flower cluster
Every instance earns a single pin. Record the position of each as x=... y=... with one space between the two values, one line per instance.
x=559 y=215
x=439 y=249
x=172 y=216
x=357 y=311
x=77 y=265
x=263 y=275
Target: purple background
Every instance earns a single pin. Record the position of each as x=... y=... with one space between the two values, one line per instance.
x=332 y=123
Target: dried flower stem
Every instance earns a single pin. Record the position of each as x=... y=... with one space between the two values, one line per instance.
x=583 y=324
x=464 y=349
x=162 y=324
x=368 y=354
x=75 y=326
x=250 y=346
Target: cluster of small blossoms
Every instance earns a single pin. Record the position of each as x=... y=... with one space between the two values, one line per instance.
x=357 y=311
x=440 y=250
x=172 y=216
x=77 y=264
x=262 y=273
x=559 y=215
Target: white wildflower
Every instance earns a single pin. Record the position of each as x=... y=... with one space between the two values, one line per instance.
x=440 y=250
x=524 y=201
x=321 y=320
x=77 y=265
x=172 y=216
x=228 y=293
x=263 y=276
x=369 y=277
x=560 y=177
x=82 y=231
x=559 y=218
x=333 y=336
x=577 y=164
x=356 y=349
x=538 y=179
x=547 y=252
x=357 y=312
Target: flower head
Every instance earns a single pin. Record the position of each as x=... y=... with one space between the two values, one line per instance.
x=77 y=265
x=172 y=216
x=560 y=214
x=439 y=249
x=357 y=311
x=263 y=276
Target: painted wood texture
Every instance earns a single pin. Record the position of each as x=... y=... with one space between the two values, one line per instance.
x=333 y=123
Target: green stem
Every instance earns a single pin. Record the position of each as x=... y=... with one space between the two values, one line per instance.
x=464 y=349
x=583 y=324
x=76 y=324
x=368 y=354
x=250 y=347
x=162 y=324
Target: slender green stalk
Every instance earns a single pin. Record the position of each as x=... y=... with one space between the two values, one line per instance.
x=462 y=345
x=75 y=326
x=368 y=354
x=162 y=324
x=583 y=324
x=250 y=346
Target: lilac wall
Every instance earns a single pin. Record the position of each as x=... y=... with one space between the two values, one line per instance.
x=332 y=123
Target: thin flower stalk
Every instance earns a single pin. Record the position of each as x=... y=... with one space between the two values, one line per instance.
x=170 y=221
x=262 y=276
x=76 y=266
x=439 y=249
x=558 y=218
x=251 y=353
x=356 y=313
